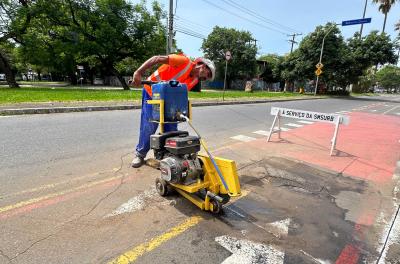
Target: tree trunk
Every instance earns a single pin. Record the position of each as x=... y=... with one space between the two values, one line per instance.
x=285 y=88
x=120 y=78
x=384 y=23
x=6 y=68
x=73 y=79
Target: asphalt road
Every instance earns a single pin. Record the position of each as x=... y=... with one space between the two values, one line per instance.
x=55 y=146
x=64 y=176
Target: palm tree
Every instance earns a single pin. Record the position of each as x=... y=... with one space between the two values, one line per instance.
x=384 y=7
x=397 y=26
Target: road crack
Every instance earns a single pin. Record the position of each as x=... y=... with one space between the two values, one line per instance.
x=73 y=220
x=4 y=255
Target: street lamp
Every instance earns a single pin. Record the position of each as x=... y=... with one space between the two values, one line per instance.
x=322 y=51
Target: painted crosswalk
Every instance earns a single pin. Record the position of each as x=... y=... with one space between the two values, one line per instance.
x=243 y=138
x=293 y=125
x=262 y=132
x=284 y=128
x=305 y=122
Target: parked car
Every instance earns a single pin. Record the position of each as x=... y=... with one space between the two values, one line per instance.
x=2 y=77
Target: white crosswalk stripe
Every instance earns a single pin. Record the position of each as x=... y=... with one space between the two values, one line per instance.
x=243 y=138
x=293 y=125
x=262 y=132
x=305 y=122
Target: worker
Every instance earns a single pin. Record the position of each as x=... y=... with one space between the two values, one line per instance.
x=174 y=67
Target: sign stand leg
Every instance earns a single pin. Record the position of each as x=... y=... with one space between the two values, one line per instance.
x=273 y=125
x=279 y=125
x=333 y=146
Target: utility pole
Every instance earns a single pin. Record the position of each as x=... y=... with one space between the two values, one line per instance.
x=291 y=50
x=293 y=41
x=362 y=25
x=171 y=26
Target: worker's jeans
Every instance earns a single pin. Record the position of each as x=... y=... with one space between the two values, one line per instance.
x=148 y=128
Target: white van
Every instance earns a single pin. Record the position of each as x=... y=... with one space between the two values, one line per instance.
x=2 y=77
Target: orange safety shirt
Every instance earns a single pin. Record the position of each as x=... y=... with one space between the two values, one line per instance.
x=178 y=68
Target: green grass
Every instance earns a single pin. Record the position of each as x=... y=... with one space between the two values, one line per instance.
x=25 y=95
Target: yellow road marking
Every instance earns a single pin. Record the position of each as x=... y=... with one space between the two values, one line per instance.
x=132 y=255
x=52 y=195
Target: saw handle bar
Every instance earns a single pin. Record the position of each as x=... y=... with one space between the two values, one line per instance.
x=148 y=82
x=172 y=83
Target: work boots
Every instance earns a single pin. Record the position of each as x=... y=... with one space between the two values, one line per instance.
x=137 y=162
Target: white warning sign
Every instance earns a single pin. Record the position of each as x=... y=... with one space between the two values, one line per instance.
x=308 y=115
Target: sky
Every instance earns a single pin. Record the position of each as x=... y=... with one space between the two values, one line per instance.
x=284 y=17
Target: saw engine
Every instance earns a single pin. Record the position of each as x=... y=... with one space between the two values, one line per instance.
x=177 y=152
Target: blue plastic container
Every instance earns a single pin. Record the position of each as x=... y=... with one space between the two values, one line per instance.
x=175 y=96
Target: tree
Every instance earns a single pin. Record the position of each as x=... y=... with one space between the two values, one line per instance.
x=273 y=67
x=15 y=19
x=384 y=7
x=389 y=78
x=100 y=33
x=240 y=43
x=344 y=61
x=300 y=64
x=366 y=81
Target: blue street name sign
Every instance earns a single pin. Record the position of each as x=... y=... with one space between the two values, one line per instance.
x=356 y=21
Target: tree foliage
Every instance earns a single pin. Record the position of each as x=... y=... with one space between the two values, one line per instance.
x=240 y=44
x=15 y=19
x=344 y=60
x=389 y=78
x=300 y=65
x=272 y=70
x=110 y=36
x=98 y=32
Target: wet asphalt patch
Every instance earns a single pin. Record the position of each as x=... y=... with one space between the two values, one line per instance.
x=318 y=228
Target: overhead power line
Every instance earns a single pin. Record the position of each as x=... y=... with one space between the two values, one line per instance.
x=189 y=30
x=189 y=33
x=260 y=17
x=244 y=18
x=194 y=24
x=190 y=27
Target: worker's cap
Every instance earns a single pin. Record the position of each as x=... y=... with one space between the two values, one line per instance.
x=209 y=64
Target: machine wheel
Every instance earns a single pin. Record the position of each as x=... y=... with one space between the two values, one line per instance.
x=217 y=207
x=162 y=187
x=225 y=198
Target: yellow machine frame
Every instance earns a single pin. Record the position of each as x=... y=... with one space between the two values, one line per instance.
x=212 y=181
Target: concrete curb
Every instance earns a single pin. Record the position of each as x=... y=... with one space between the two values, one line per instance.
x=64 y=109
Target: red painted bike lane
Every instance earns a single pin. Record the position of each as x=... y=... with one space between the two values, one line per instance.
x=368 y=149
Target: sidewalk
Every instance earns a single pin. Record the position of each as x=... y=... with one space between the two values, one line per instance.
x=86 y=106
